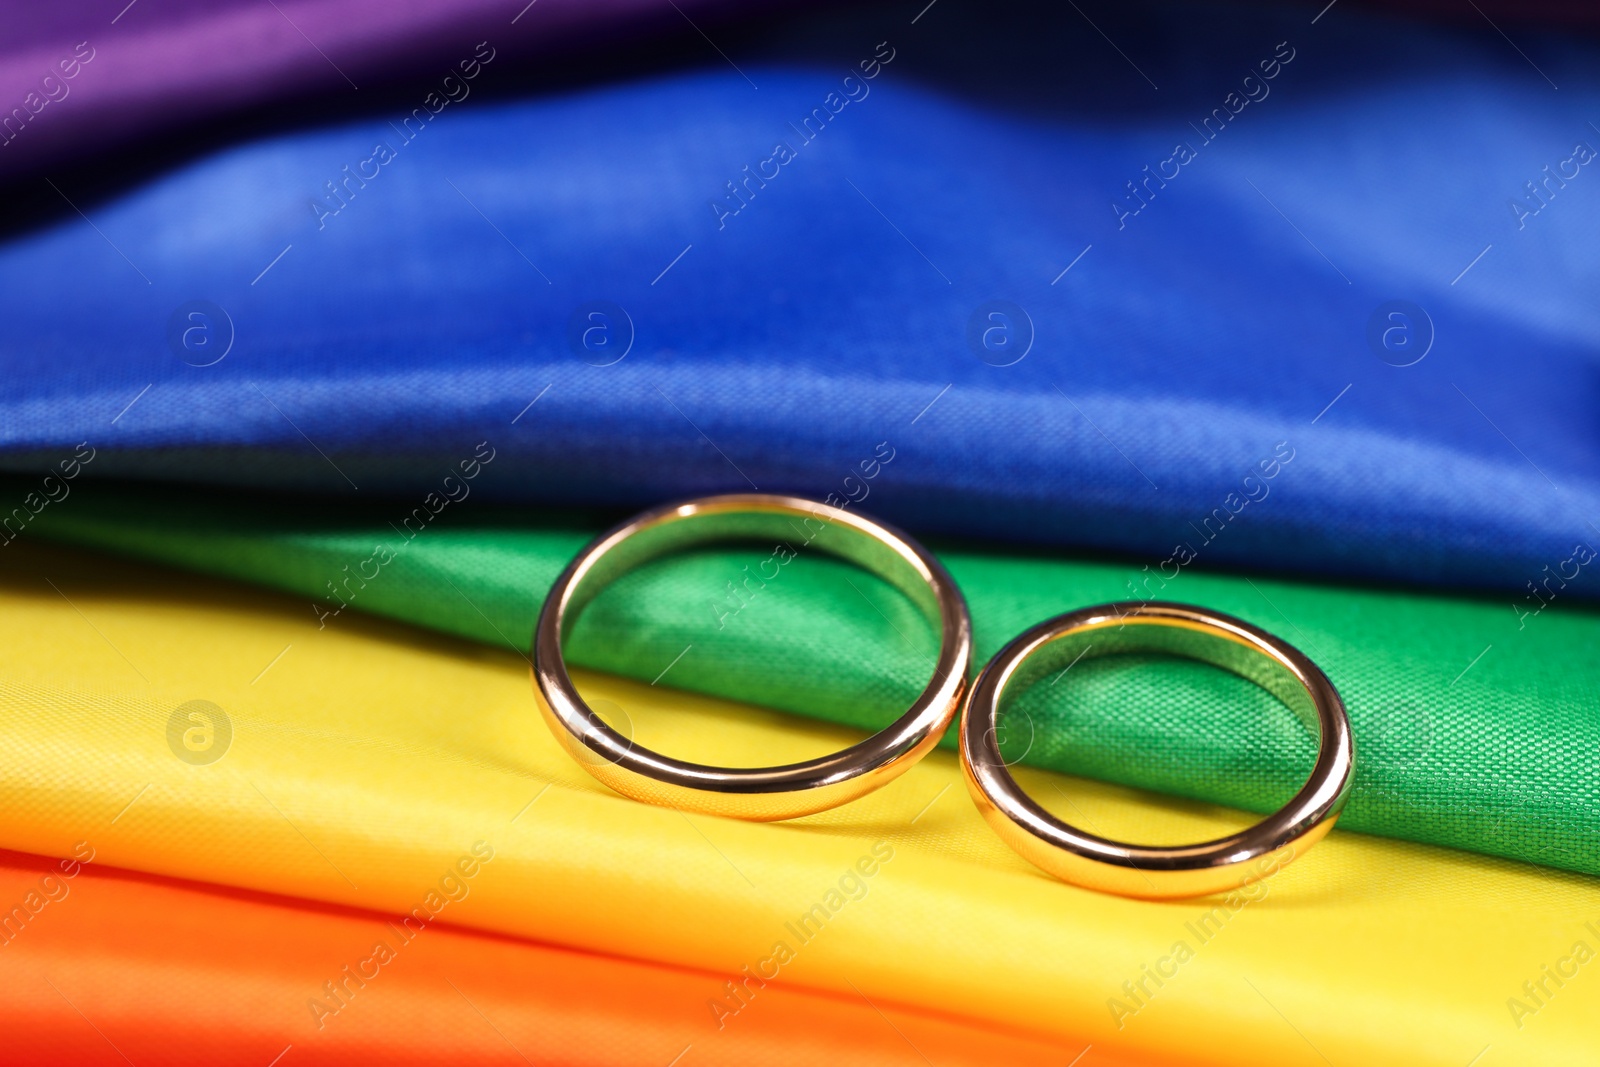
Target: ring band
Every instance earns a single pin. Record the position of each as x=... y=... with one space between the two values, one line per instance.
x=1155 y=873
x=764 y=793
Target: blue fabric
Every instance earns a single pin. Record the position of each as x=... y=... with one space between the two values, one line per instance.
x=1196 y=345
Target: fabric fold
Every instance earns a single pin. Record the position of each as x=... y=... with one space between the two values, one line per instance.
x=362 y=764
x=1475 y=723
x=139 y=74
x=112 y=964
x=1080 y=311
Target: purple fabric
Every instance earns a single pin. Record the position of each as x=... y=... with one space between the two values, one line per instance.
x=163 y=65
x=158 y=65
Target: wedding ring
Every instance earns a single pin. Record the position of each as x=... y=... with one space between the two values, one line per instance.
x=796 y=526
x=1093 y=862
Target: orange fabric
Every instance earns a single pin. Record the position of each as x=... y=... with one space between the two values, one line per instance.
x=116 y=967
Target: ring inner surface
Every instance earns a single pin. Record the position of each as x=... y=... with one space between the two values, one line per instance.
x=800 y=531
x=1195 y=641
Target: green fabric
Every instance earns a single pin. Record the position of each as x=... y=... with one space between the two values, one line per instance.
x=1474 y=729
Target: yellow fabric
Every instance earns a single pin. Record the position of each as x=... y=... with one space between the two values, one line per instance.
x=367 y=759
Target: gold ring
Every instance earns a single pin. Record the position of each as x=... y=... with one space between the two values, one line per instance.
x=1158 y=873
x=763 y=793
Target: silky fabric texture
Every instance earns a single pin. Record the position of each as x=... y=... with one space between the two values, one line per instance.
x=146 y=69
x=364 y=760
x=113 y=964
x=602 y=286
x=1475 y=727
